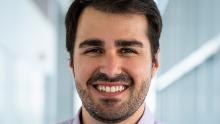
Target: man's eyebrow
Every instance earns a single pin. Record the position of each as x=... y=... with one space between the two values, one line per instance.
x=126 y=43
x=91 y=42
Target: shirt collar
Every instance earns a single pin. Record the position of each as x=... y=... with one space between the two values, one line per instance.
x=78 y=116
x=147 y=117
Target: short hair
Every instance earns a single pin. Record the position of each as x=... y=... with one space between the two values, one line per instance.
x=148 y=8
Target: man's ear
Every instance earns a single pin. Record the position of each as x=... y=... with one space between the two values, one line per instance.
x=71 y=66
x=155 y=64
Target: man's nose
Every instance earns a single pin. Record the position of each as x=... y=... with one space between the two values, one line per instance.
x=111 y=65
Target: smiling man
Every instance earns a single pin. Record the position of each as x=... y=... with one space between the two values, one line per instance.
x=113 y=47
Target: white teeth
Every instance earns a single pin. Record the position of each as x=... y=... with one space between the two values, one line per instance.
x=107 y=89
x=120 y=88
x=111 y=89
x=103 y=88
x=123 y=88
x=99 y=88
x=116 y=88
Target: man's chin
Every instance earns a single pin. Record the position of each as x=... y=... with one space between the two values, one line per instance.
x=111 y=111
x=108 y=106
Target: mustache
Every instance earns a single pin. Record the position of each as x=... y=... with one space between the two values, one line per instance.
x=103 y=77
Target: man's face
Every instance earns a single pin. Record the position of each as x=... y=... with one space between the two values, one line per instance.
x=112 y=64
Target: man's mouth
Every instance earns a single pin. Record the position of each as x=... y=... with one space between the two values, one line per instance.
x=110 y=89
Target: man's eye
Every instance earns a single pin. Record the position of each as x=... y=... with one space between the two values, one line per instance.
x=127 y=51
x=94 y=51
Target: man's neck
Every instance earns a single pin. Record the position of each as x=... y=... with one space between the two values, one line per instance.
x=133 y=119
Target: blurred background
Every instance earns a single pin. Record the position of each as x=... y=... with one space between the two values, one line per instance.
x=36 y=85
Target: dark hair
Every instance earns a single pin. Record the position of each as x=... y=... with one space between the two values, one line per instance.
x=145 y=7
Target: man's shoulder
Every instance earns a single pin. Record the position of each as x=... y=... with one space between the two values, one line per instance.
x=69 y=121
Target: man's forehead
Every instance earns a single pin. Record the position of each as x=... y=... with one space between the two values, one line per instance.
x=107 y=27
x=90 y=14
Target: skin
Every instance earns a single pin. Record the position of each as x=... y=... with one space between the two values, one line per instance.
x=111 y=59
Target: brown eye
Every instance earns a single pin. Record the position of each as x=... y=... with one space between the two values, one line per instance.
x=94 y=51
x=127 y=51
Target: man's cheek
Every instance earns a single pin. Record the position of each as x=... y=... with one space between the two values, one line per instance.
x=84 y=74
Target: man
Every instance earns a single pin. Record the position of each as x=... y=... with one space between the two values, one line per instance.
x=113 y=47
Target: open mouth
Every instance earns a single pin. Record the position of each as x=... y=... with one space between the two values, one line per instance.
x=110 y=89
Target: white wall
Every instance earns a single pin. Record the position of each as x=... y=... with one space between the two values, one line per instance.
x=27 y=57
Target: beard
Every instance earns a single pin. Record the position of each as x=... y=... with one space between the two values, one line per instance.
x=105 y=110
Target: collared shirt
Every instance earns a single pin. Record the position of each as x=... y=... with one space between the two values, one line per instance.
x=147 y=118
